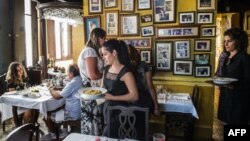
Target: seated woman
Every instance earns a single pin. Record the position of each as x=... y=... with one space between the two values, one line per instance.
x=16 y=79
x=118 y=79
x=72 y=108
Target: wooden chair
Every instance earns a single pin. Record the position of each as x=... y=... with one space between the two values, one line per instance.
x=180 y=122
x=127 y=122
x=75 y=126
x=23 y=133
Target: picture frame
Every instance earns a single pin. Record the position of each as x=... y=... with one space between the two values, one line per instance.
x=144 y=4
x=202 y=71
x=206 y=4
x=208 y=31
x=182 y=49
x=95 y=6
x=183 y=67
x=146 y=18
x=140 y=43
x=163 y=55
x=128 y=6
x=110 y=4
x=177 y=32
x=202 y=45
x=112 y=24
x=202 y=59
x=187 y=17
x=91 y=22
x=147 y=31
x=129 y=25
x=146 y=56
x=164 y=11
x=205 y=17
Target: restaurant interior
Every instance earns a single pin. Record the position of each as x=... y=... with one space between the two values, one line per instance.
x=49 y=34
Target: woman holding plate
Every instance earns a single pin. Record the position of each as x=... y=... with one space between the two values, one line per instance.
x=234 y=98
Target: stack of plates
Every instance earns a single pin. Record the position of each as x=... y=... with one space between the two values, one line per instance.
x=224 y=80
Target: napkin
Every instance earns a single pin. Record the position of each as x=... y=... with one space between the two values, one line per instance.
x=180 y=97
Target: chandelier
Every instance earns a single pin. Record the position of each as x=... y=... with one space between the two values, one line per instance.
x=70 y=12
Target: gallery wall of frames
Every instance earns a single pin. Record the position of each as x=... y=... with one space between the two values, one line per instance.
x=171 y=38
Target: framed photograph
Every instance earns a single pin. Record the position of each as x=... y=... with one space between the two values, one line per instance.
x=128 y=6
x=164 y=11
x=177 y=32
x=129 y=24
x=147 y=31
x=208 y=31
x=182 y=49
x=95 y=6
x=163 y=54
x=112 y=23
x=144 y=4
x=202 y=45
x=205 y=4
x=202 y=71
x=146 y=18
x=186 y=17
x=202 y=59
x=205 y=17
x=91 y=22
x=183 y=67
x=110 y=3
x=146 y=56
x=138 y=42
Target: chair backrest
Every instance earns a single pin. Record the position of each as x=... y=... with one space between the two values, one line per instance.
x=22 y=133
x=128 y=122
x=195 y=95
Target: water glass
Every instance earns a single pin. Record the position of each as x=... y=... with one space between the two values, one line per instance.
x=158 y=137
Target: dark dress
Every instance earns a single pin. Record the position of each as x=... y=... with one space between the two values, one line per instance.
x=234 y=103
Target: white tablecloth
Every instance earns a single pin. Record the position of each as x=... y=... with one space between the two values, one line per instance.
x=44 y=103
x=83 y=137
x=178 y=102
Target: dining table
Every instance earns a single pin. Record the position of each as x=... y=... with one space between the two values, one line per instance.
x=83 y=137
x=43 y=102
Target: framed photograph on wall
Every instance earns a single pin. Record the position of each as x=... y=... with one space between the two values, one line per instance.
x=202 y=59
x=205 y=4
x=208 y=31
x=129 y=24
x=112 y=23
x=146 y=56
x=95 y=6
x=138 y=42
x=90 y=22
x=163 y=55
x=164 y=11
x=177 y=32
x=202 y=71
x=146 y=18
x=183 y=67
x=205 y=17
x=202 y=45
x=144 y=4
x=128 y=5
x=110 y=3
x=147 y=31
x=182 y=49
x=186 y=17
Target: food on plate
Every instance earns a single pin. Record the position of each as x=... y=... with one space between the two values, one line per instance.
x=92 y=92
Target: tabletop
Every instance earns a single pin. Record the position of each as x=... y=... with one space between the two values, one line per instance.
x=83 y=137
x=44 y=103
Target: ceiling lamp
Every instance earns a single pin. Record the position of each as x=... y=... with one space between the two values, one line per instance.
x=70 y=12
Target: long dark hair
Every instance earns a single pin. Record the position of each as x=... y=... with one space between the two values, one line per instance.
x=122 y=51
x=93 y=42
x=12 y=74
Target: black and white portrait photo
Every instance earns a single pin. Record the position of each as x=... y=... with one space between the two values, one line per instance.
x=202 y=71
x=182 y=49
x=163 y=53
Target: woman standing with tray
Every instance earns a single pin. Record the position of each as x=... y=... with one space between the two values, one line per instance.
x=90 y=64
x=234 y=98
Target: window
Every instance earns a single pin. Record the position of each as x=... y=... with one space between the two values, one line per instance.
x=28 y=33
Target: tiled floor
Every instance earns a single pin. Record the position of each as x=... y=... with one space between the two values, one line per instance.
x=217 y=126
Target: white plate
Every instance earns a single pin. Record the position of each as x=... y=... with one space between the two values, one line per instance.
x=94 y=96
x=24 y=92
x=224 y=80
x=34 y=95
